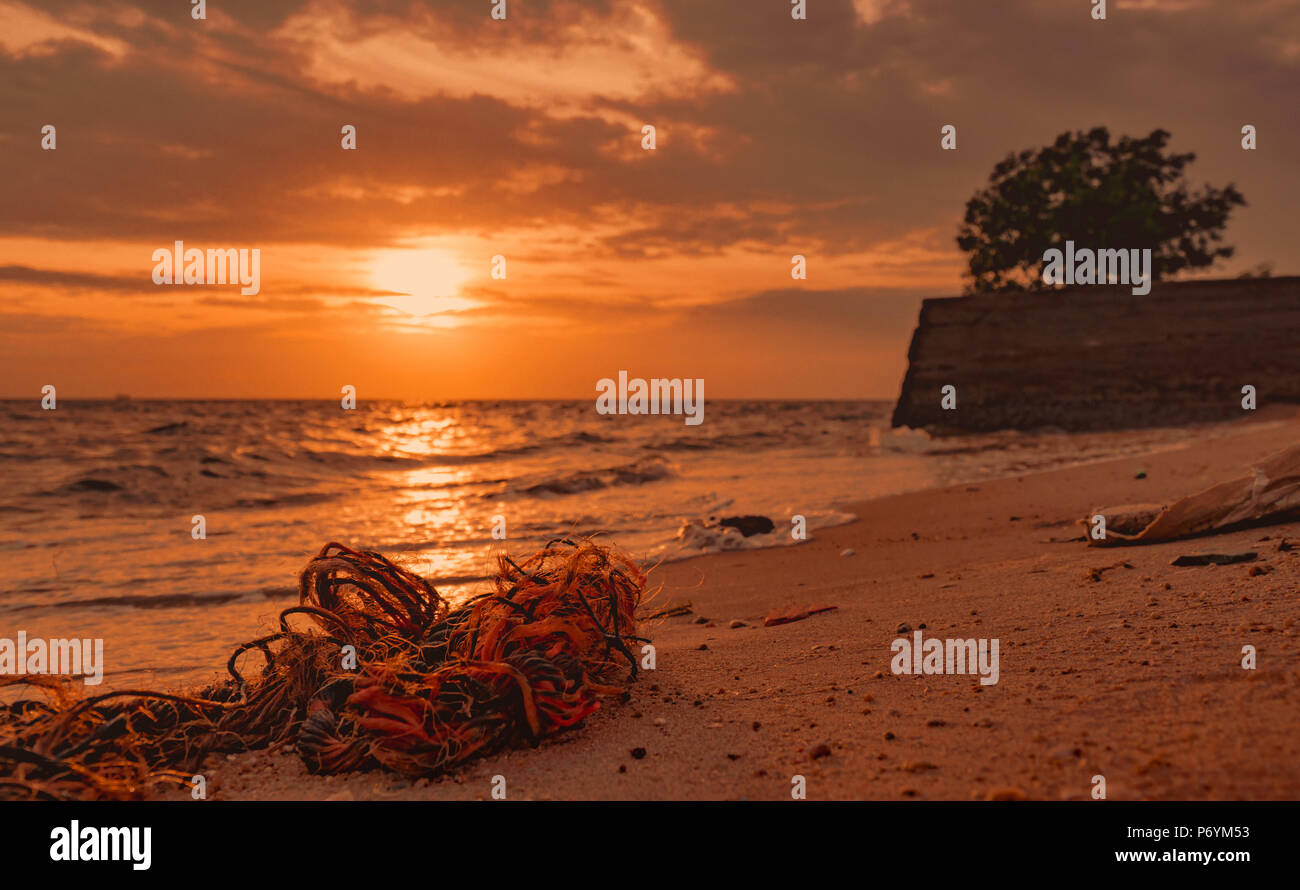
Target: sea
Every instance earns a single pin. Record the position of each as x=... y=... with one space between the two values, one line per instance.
x=100 y=500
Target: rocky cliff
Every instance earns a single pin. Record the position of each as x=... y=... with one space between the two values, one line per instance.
x=1089 y=358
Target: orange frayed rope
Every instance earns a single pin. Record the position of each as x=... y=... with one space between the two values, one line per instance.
x=389 y=676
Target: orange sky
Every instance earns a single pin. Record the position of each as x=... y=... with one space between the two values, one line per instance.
x=522 y=138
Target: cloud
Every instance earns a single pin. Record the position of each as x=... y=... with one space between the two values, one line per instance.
x=19 y=325
x=522 y=138
x=54 y=278
x=585 y=55
x=31 y=32
x=870 y=12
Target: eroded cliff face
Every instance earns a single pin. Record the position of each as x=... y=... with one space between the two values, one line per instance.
x=1090 y=358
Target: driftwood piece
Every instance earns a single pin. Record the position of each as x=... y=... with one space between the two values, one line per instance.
x=1269 y=493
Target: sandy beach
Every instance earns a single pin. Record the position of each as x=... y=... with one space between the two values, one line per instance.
x=1131 y=672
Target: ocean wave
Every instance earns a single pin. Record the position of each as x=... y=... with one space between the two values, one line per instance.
x=111 y=480
x=175 y=427
x=726 y=440
x=213 y=482
x=136 y=601
x=640 y=472
x=301 y=498
x=551 y=443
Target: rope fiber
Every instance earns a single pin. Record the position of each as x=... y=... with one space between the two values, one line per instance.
x=423 y=688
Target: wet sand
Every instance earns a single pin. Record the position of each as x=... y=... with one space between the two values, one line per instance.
x=1134 y=674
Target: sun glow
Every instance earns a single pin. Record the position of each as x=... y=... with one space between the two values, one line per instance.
x=424 y=283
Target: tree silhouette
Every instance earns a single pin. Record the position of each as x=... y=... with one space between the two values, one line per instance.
x=1098 y=195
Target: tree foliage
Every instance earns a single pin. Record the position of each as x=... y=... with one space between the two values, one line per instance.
x=1082 y=188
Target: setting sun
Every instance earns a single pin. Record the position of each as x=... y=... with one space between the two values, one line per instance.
x=425 y=282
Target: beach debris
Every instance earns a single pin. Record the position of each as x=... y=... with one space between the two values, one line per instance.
x=903 y=628
x=736 y=623
x=638 y=753
x=674 y=611
x=1261 y=569
x=916 y=766
x=1064 y=754
x=708 y=537
x=431 y=687
x=790 y=614
x=1094 y=575
x=1284 y=545
x=1006 y=794
x=1218 y=559
x=748 y=525
x=847 y=551
x=1269 y=493
x=819 y=752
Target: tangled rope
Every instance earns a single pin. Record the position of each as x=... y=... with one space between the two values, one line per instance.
x=389 y=676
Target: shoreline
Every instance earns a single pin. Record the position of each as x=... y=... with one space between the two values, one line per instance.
x=1135 y=676
x=1203 y=432
x=192 y=607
